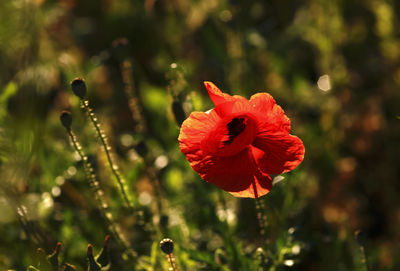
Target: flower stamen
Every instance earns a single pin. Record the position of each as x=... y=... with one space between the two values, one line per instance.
x=235 y=127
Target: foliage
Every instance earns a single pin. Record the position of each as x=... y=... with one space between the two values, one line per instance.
x=332 y=65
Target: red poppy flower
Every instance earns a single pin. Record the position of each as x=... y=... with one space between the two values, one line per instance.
x=237 y=144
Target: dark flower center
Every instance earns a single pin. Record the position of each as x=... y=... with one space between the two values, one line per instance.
x=235 y=127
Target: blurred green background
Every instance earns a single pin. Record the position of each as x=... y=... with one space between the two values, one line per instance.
x=333 y=66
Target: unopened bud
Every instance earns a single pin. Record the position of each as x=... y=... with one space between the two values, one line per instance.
x=53 y=257
x=102 y=258
x=121 y=48
x=167 y=246
x=78 y=86
x=89 y=251
x=93 y=265
x=66 y=119
x=361 y=237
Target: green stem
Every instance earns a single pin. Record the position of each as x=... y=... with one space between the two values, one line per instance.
x=107 y=148
x=22 y=215
x=94 y=185
x=133 y=96
x=171 y=262
x=261 y=217
x=364 y=257
x=136 y=107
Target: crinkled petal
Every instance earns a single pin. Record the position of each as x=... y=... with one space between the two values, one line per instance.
x=216 y=95
x=277 y=152
x=236 y=174
x=260 y=186
x=236 y=105
x=269 y=111
x=194 y=129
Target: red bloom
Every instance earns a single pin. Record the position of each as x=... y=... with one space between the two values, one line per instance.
x=237 y=144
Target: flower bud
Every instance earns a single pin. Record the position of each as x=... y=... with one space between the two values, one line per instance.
x=93 y=265
x=78 y=86
x=102 y=257
x=167 y=246
x=361 y=237
x=121 y=48
x=53 y=258
x=66 y=119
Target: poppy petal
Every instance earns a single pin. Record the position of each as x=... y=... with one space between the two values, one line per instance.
x=194 y=129
x=260 y=186
x=236 y=105
x=277 y=152
x=264 y=104
x=216 y=95
x=236 y=174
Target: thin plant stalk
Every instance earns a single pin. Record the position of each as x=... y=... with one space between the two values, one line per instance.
x=122 y=53
x=361 y=238
x=261 y=217
x=98 y=192
x=21 y=213
x=136 y=109
x=107 y=149
x=364 y=257
x=133 y=101
x=171 y=259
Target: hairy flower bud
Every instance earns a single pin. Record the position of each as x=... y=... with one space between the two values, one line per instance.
x=361 y=237
x=93 y=265
x=78 y=86
x=102 y=257
x=53 y=257
x=121 y=48
x=167 y=246
x=66 y=119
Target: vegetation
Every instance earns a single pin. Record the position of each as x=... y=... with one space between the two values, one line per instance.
x=112 y=165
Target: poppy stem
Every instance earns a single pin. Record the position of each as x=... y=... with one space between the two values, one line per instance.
x=136 y=107
x=364 y=257
x=107 y=148
x=132 y=96
x=98 y=192
x=261 y=217
x=171 y=259
x=361 y=238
